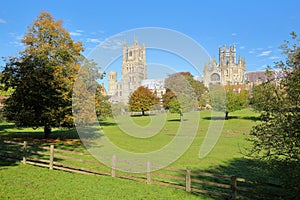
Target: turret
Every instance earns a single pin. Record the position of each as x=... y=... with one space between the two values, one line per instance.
x=112 y=82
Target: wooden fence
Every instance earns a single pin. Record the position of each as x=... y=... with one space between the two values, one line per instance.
x=189 y=180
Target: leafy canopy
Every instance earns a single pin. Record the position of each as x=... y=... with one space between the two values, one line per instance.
x=42 y=76
x=277 y=138
x=229 y=98
x=183 y=92
x=142 y=99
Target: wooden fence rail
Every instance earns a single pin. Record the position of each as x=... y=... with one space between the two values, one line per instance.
x=182 y=179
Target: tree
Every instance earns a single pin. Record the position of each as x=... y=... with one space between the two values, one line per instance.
x=42 y=76
x=263 y=96
x=102 y=105
x=142 y=99
x=229 y=98
x=277 y=138
x=5 y=92
x=237 y=98
x=182 y=93
x=85 y=94
x=170 y=102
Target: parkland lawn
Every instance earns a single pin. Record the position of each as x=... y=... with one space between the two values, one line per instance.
x=20 y=181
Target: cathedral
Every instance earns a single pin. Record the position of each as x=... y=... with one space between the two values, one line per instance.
x=229 y=71
x=134 y=71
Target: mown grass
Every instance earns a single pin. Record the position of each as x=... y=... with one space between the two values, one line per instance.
x=226 y=158
x=30 y=182
x=231 y=143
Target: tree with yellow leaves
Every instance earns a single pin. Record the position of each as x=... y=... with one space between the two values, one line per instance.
x=42 y=76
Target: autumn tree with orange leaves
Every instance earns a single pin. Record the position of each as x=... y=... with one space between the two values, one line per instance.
x=142 y=99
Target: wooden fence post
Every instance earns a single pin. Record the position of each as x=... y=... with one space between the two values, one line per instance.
x=113 y=166
x=188 y=180
x=24 y=152
x=148 y=172
x=51 y=156
x=233 y=187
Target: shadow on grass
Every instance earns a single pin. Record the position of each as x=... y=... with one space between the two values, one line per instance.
x=4 y=127
x=12 y=153
x=140 y=115
x=218 y=118
x=262 y=181
x=104 y=123
x=174 y=120
x=252 y=118
x=4 y=162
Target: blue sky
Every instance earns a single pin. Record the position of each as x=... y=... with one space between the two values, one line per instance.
x=257 y=28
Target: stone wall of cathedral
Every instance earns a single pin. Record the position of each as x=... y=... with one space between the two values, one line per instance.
x=229 y=71
x=134 y=71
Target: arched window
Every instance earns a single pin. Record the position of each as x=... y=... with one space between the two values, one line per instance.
x=215 y=77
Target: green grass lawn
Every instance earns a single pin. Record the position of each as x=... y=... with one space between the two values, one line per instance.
x=226 y=158
x=30 y=182
x=231 y=143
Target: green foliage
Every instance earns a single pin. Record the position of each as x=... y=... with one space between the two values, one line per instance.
x=263 y=95
x=174 y=106
x=42 y=76
x=142 y=99
x=5 y=92
x=102 y=105
x=170 y=102
x=277 y=137
x=229 y=98
x=236 y=100
x=183 y=93
x=217 y=95
x=84 y=99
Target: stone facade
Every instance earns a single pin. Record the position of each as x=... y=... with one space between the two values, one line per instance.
x=134 y=71
x=229 y=71
x=157 y=86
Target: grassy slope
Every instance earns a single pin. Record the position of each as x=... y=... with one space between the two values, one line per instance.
x=66 y=185
x=30 y=182
x=230 y=145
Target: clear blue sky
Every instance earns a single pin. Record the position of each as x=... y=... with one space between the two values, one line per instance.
x=256 y=27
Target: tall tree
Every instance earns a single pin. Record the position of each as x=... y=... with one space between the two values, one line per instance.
x=277 y=138
x=42 y=76
x=142 y=99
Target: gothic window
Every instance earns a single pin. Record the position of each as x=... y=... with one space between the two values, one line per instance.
x=130 y=53
x=215 y=77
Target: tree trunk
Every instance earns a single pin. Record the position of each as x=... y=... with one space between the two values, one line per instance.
x=226 y=115
x=143 y=113
x=47 y=131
